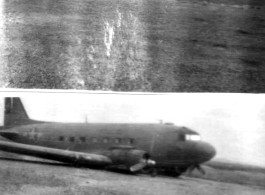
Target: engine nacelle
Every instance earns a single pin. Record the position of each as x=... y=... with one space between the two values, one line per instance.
x=127 y=157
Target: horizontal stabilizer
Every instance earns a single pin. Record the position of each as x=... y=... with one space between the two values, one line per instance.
x=9 y=134
x=72 y=157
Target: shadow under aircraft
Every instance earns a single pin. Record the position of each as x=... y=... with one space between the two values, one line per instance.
x=134 y=147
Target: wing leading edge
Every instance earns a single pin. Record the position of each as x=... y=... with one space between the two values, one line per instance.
x=65 y=156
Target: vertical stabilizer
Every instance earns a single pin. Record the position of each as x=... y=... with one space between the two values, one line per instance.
x=15 y=113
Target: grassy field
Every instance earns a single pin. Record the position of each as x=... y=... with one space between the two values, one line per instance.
x=22 y=177
x=233 y=173
x=17 y=176
x=235 y=166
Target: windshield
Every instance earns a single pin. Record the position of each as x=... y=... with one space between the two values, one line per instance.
x=192 y=137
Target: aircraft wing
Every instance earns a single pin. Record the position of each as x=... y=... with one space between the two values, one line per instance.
x=66 y=156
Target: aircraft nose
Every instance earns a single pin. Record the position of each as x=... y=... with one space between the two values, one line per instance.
x=206 y=151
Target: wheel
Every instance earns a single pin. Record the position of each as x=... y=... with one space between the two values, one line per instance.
x=153 y=172
x=179 y=170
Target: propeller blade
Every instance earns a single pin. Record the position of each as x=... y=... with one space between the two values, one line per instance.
x=143 y=163
x=138 y=166
x=200 y=169
x=191 y=168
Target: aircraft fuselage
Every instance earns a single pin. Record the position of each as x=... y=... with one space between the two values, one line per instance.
x=168 y=145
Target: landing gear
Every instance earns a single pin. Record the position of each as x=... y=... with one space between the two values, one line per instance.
x=176 y=171
x=153 y=172
x=150 y=170
x=180 y=170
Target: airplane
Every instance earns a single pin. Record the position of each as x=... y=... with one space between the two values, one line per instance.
x=133 y=147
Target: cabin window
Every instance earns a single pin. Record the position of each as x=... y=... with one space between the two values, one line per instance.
x=71 y=139
x=118 y=140
x=61 y=138
x=130 y=141
x=94 y=140
x=106 y=140
x=83 y=139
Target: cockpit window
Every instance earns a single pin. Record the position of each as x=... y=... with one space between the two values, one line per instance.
x=192 y=137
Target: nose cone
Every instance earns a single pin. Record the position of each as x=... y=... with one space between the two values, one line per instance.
x=205 y=151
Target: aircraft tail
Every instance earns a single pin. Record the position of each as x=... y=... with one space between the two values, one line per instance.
x=14 y=112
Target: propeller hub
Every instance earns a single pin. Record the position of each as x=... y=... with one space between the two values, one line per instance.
x=150 y=162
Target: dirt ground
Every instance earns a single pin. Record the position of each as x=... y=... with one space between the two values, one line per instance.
x=19 y=177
